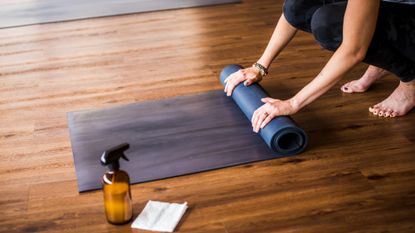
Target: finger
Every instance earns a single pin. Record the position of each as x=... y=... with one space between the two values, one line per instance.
x=231 y=76
x=230 y=88
x=227 y=81
x=266 y=121
x=260 y=118
x=259 y=113
x=227 y=87
x=232 y=83
x=267 y=100
x=253 y=117
x=250 y=78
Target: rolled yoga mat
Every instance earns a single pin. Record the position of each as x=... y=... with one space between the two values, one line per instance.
x=171 y=137
x=282 y=134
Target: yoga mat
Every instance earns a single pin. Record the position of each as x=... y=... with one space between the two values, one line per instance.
x=282 y=135
x=19 y=13
x=168 y=138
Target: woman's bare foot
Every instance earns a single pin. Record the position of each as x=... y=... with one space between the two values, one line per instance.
x=399 y=103
x=372 y=74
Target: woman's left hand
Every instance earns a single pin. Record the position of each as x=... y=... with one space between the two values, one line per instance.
x=272 y=108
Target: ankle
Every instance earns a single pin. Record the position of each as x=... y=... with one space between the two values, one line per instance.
x=408 y=85
x=373 y=73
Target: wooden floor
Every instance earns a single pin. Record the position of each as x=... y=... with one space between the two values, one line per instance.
x=357 y=175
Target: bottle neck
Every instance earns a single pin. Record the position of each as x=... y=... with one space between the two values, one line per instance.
x=115 y=166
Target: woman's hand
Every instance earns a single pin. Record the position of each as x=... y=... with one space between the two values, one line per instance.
x=272 y=108
x=248 y=76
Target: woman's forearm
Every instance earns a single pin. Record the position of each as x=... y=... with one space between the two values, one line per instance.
x=281 y=36
x=340 y=63
x=358 y=28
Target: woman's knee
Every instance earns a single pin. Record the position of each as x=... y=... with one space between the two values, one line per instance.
x=295 y=12
x=327 y=25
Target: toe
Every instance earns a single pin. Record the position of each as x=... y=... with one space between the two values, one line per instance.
x=384 y=112
x=373 y=109
x=346 y=88
x=397 y=113
x=388 y=113
x=380 y=113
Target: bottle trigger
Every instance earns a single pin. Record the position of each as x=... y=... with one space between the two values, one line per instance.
x=125 y=157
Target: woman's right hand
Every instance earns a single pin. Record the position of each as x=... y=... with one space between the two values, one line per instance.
x=248 y=76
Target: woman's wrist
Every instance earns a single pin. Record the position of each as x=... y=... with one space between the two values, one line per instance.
x=262 y=65
x=295 y=104
x=264 y=62
x=262 y=69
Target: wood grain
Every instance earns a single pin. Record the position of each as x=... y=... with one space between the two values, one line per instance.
x=356 y=176
x=25 y=13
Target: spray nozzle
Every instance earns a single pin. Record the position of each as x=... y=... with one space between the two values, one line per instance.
x=112 y=156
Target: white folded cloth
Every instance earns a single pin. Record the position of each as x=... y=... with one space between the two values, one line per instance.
x=160 y=216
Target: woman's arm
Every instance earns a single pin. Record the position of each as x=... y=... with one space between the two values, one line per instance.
x=284 y=32
x=358 y=29
x=281 y=36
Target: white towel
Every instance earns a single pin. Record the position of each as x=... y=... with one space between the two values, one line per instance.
x=160 y=216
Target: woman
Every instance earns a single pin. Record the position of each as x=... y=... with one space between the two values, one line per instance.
x=380 y=33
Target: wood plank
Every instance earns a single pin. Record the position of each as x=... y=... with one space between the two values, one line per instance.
x=24 y=13
x=357 y=174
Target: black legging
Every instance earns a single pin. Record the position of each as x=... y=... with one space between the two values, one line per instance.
x=393 y=44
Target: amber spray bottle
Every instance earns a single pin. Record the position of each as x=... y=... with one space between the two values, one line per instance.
x=116 y=186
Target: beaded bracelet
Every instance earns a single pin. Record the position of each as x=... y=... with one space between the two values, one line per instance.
x=261 y=68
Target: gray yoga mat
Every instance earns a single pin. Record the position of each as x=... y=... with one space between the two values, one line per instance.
x=171 y=137
x=14 y=14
